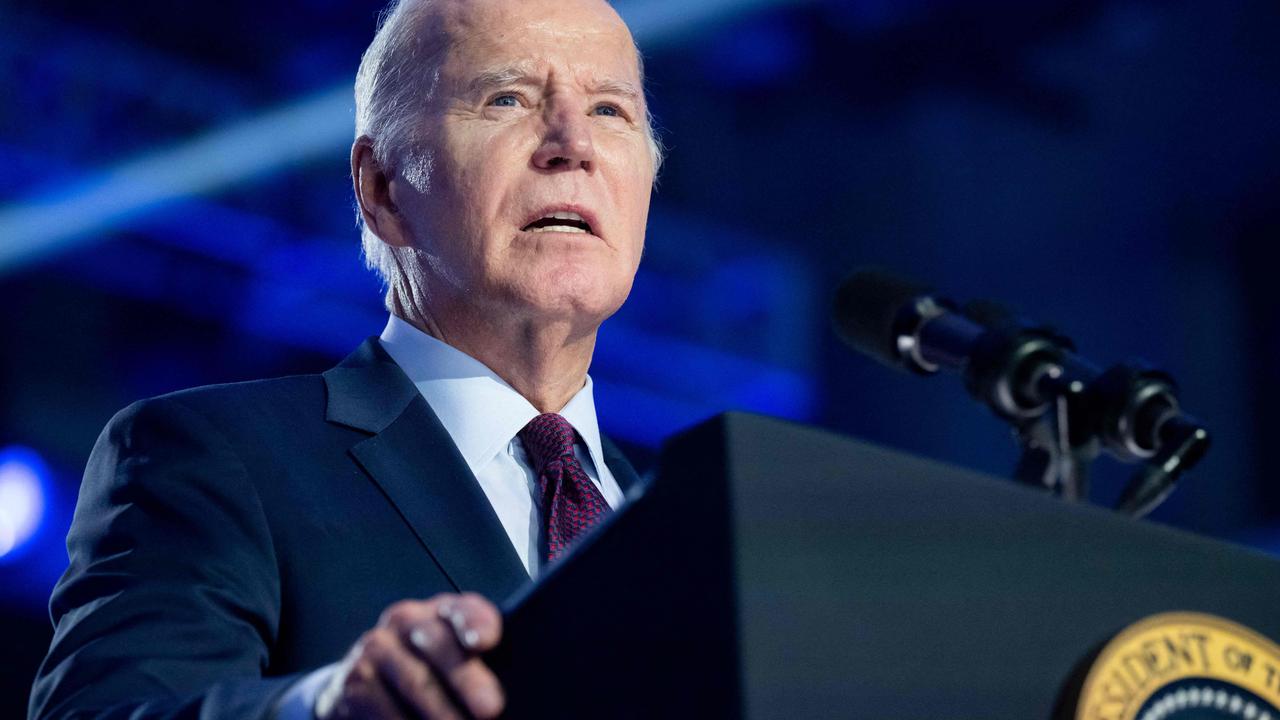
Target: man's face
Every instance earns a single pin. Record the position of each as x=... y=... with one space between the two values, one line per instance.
x=537 y=112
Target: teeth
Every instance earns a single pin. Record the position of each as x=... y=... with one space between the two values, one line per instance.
x=559 y=228
x=572 y=223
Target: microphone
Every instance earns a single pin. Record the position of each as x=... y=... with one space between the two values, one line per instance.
x=905 y=325
x=1021 y=371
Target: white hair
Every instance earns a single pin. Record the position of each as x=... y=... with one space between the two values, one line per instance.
x=392 y=86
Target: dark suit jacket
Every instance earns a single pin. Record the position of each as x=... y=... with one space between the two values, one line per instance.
x=228 y=538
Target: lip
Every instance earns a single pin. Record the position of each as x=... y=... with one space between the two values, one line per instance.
x=587 y=215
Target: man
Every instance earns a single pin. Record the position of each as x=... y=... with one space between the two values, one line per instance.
x=255 y=549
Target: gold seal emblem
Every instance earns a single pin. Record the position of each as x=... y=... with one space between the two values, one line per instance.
x=1183 y=665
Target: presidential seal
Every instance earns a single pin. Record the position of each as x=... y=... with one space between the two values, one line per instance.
x=1183 y=666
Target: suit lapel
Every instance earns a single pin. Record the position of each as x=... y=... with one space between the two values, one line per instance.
x=411 y=457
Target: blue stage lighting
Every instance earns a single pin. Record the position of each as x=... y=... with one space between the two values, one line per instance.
x=22 y=481
x=82 y=212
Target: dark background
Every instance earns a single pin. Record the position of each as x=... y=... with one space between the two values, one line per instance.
x=175 y=210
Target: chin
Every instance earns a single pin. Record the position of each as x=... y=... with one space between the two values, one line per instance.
x=571 y=288
x=579 y=303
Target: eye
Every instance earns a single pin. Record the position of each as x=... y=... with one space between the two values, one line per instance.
x=507 y=100
x=607 y=111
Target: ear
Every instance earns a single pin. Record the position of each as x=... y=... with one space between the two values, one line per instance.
x=372 y=186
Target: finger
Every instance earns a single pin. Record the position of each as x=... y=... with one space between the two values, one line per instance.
x=446 y=632
x=356 y=690
x=471 y=625
x=475 y=685
x=433 y=640
x=414 y=684
x=466 y=677
x=477 y=625
x=475 y=621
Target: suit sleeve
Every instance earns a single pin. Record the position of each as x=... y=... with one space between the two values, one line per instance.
x=171 y=600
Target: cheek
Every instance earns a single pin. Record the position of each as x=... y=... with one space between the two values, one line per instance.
x=634 y=198
x=635 y=179
x=472 y=181
x=489 y=187
x=471 y=158
x=466 y=192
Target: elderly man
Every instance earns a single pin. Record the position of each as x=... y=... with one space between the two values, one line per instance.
x=256 y=549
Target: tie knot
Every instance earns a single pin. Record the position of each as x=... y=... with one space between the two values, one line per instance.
x=546 y=438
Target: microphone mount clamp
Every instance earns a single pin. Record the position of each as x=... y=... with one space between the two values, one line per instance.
x=1065 y=413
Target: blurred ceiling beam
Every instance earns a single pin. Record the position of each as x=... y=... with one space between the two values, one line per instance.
x=61 y=218
x=83 y=212
x=59 y=54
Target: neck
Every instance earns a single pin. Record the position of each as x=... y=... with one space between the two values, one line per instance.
x=545 y=361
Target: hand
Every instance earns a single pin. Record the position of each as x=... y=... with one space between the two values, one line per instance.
x=420 y=661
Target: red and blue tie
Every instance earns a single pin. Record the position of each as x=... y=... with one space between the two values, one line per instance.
x=570 y=503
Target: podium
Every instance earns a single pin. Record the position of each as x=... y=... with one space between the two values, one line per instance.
x=777 y=571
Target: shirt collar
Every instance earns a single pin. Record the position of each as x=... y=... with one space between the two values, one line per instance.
x=479 y=410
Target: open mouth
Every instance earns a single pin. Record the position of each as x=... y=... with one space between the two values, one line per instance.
x=562 y=221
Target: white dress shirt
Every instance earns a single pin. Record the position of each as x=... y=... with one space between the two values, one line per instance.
x=483 y=415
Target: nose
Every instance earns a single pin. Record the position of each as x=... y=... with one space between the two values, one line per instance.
x=566 y=142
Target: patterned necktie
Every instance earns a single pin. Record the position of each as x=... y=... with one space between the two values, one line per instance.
x=570 y=503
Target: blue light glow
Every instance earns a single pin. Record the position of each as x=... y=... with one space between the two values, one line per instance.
x=654 y=22
x=82 y=212
x=22 y=480
x=70 y=215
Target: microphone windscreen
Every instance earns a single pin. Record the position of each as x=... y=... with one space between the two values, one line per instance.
x=867 y=310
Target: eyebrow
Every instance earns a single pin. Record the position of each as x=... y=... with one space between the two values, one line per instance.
x=517 y=75
x=500 y=77
x=616 y=87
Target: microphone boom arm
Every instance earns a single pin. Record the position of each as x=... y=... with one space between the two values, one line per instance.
x=1065 y=411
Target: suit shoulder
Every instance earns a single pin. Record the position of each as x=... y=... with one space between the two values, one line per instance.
x=289 y=399
x=288 y=389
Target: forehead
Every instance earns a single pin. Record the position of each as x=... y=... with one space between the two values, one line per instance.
x=583 y=37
